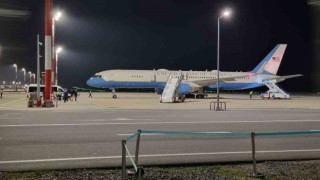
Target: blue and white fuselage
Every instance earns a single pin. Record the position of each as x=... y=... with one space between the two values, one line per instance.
x=158 y=78
x=193 y=80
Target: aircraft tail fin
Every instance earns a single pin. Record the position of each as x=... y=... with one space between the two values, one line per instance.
x=271 y=63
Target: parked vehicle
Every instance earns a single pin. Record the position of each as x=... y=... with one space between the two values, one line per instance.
x=55 y=89
x=274 y=95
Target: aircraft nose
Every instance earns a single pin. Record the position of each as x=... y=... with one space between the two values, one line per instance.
x=96 y=82
x=90 y=82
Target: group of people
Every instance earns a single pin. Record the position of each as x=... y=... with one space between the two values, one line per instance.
x=69 y=94
x=66 y=95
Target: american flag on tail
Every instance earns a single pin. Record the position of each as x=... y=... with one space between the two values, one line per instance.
x=276 y=59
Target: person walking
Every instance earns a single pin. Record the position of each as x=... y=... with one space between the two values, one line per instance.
x=90 y=95
x=1 y=92
x=71 y=94
x=65 y=96
x=75 y=93
x=251 y=92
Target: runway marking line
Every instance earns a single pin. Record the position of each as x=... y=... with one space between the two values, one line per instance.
x=145 y=123
x=149 y=116
x=154 y=134
x=91 y=120
x=116 y=119
x=77 y=110
x=155 y=155
x=5 y=118
x=129 y=119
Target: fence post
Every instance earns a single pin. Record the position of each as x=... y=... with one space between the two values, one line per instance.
x=140 y=173
x=253 y=154
x=137 y=148
x=123 y=143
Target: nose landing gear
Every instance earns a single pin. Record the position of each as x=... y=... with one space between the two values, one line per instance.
x=114 y=96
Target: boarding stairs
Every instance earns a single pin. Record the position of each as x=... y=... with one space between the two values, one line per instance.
x=274 y=88
x=171 y=90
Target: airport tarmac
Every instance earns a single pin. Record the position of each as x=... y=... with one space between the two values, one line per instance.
x=151 y=101
x=87 y=133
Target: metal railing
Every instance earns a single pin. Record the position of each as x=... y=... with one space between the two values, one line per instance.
x=138 y=170
x=218 y=106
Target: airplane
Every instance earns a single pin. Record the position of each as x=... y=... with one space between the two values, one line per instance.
x=192 y=81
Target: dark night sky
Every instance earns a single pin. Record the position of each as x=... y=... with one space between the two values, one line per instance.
x=173 y=34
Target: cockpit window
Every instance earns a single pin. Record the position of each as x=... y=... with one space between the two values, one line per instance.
x=97 y=76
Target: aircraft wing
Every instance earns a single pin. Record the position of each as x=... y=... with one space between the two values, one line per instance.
x=282 y=78
x=207 y=82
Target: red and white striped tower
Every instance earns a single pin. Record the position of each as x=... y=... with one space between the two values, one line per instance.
x=48 y=54
x=53 y=62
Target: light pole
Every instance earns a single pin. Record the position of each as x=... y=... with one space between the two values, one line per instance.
x=59 y=49
x=16 y=70
x=16 y=66
x=30 y=76
x=224 y=14
x=55 y=18
x=38 y=71
x=34 y=78
x=24 y=75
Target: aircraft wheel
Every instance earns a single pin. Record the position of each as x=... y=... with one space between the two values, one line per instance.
x=273 y=97
x=114 y=96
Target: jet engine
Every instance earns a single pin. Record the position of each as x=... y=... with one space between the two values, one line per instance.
x=184 y=89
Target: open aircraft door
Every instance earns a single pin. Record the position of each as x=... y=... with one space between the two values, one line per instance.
x=185 y=76
x=154 y=76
